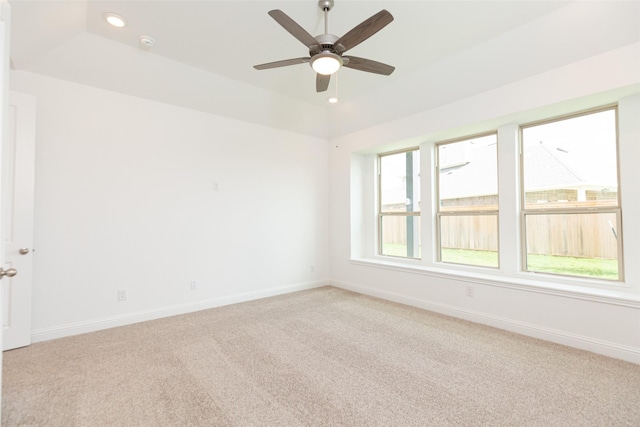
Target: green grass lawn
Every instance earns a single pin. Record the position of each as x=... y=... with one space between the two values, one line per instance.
x=572 y=266
x=470 y=257
x=586 y=267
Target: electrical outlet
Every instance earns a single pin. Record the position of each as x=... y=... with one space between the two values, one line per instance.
x=470 y=291
x=312 y=269
x=194 y=285
x=122 y=294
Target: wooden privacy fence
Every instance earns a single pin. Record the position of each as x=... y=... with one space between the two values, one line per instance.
x=576 y=235
x=477 y=232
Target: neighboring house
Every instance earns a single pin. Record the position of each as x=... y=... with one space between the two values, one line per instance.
x=553 y=181
x=463 y=181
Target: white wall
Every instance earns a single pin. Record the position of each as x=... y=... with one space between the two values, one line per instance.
x=97 y=62
x=125 y=199
x=605 y=319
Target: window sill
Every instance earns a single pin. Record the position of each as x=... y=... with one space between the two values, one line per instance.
x=545 y=284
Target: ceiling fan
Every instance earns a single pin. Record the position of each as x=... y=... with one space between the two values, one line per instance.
x=325 y=50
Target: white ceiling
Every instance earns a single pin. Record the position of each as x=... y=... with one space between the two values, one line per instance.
x=442 y=51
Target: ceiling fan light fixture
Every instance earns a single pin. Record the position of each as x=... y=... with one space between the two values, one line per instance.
x=326 y=63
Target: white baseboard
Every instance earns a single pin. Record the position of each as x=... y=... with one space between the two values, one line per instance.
x=605 y=348
x=61 y=331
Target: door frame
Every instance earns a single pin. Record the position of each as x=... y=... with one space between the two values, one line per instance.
x=5 y=22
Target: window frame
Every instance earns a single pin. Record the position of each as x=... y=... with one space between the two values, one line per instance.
x=617 y=210
x=484 y=212
x=381 y=214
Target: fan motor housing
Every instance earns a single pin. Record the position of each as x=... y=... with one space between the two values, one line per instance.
x=326 y=42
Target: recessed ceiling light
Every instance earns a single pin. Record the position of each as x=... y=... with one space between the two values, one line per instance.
x=333 y=100
x=115 y=19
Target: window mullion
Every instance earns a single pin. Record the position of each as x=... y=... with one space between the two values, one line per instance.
x=508 y=202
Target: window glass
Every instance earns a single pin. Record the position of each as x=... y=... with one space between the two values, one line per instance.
x=579 y=244
x=400 y=236
x=468 y=201
x=468 y=174
x=399 y=204
x=400 y=182
x=571 y=163
x=469 y=239
x=571 y=207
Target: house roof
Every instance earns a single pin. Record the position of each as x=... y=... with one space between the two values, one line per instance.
x=549 y=172
x=473 y=172
x=552 y=171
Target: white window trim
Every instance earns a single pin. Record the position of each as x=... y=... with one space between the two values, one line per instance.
x=611 y=295
x=440 y=213
x=524 y=212
x=510 y=273
x=379 y=213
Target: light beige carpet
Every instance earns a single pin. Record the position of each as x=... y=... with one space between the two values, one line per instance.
x=325 y=357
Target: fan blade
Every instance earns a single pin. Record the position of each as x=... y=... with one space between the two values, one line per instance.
x=294 y=29
x=283 y=63
x=368 y=65
x=363 y=31
x=322 y=82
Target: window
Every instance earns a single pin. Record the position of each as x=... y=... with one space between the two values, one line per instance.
x=399 y=204
x=467 y=188
x=570 y=204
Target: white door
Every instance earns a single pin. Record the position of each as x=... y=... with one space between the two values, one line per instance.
x=18 y=154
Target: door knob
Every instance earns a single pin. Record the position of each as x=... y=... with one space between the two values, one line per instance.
x=23 y=251
x=9 y=272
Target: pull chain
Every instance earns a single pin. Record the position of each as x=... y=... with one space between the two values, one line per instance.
x=334 y=99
